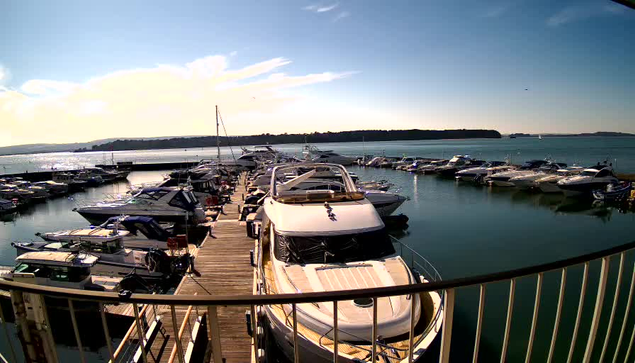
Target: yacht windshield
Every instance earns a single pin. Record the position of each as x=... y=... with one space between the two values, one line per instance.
x=588 y=173
x=334 y=249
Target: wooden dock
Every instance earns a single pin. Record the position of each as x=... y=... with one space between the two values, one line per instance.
x=223 y=261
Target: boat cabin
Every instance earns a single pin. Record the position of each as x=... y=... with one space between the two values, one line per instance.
x=180 y=198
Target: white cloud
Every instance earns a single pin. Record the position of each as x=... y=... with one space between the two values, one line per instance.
x=5 y=75
x=583 y=11
x=233 y=53
x=341 y=15
x=319 y=8
x=158 y=101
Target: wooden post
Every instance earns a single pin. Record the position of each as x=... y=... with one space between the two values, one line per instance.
x=33 y=327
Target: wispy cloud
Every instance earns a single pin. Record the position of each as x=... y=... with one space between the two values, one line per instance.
x=156 y=101
x=584 y=11
x=320 y=8
x=5 y=75
x=496 y=11
x=341 y=15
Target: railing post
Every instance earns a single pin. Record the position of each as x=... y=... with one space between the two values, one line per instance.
x=534 y=321
x=411 y=335
x=78 y=338
x=214 y=331
x=556 y=324
x=479 y=323
x=177 y=339
x=585 y=280
x=446 y=330
x=104 y=325
x=616 y=297
x=599 y=300
x=626 y=313
x=508 y=321
x=374 y=332
x=335 y=333
x=296 y=348
x=140 y=333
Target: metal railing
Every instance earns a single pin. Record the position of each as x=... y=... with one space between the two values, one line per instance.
x=449 y=288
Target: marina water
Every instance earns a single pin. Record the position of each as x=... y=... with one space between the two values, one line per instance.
x=463 y=229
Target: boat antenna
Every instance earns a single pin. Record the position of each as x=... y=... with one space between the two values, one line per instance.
x=217 y=137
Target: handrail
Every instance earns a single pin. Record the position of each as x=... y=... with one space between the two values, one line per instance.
x=242 y=300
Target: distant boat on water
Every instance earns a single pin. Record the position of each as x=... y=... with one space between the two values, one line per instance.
x=539 y=137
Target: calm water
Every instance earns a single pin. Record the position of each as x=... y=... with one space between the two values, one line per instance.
x=462 y=229
x=581 y=150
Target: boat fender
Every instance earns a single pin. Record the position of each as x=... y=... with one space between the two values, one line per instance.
x=248 y=322
x=251 y=258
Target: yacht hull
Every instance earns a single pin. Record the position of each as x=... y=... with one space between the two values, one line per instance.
x=583 y=189
x=549 y=187
x=101 y=216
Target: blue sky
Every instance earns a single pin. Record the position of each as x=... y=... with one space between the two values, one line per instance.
x=77 y=70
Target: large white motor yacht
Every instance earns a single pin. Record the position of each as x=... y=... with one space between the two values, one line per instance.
x=593 y=178
x=162 y=204
x=325 y=240
x=479 y=172
x=549 y=183
x=528 y=180
x=502 y=179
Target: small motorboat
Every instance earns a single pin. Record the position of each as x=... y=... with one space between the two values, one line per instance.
x=135 y=232
x=480 y=172
x=614 y=192
x=528 y=180
x=7 y=206
x=502 y=179
x=60 y=269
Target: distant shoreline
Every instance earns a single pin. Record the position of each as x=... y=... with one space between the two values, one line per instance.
x=313 y=138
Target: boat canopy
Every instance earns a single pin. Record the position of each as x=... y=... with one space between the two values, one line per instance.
x=146 y=225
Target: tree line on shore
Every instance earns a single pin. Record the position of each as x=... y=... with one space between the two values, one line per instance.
x=316 y=137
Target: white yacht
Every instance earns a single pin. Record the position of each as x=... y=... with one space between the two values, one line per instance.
x=135 y=232
x=69 y=179
x=312 y=153
x=53 y=188
x=592 y=178
x=549 y=183
x=322 y=240
x=162 y=204
x=403 y=163
x=431 y=167
x=502 y=179
x=528 y=180
x=476 y=173
x=60 y=269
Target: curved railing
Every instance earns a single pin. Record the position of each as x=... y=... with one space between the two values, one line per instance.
x=447 y=287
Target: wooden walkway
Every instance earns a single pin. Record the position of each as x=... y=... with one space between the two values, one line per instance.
x=223 y=261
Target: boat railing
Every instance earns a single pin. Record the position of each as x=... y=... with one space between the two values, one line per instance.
x=609 y=326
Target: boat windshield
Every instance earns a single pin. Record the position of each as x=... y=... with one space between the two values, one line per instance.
x=588 y=173
x=334 y=249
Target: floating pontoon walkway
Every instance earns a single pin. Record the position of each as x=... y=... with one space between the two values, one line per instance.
x=223 y=261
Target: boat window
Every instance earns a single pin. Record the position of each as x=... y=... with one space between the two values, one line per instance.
x=182 y=200
x=588 y=173
x=604 y=173
x=59 y=274
x=334 y=249
x=153 y=194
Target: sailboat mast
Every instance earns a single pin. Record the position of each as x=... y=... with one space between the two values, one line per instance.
x=217 y=136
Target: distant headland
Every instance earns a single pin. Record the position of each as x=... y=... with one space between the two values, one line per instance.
x=316 y=137
x=585 y=134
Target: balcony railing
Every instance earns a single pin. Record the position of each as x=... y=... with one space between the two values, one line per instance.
x=597 y=340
